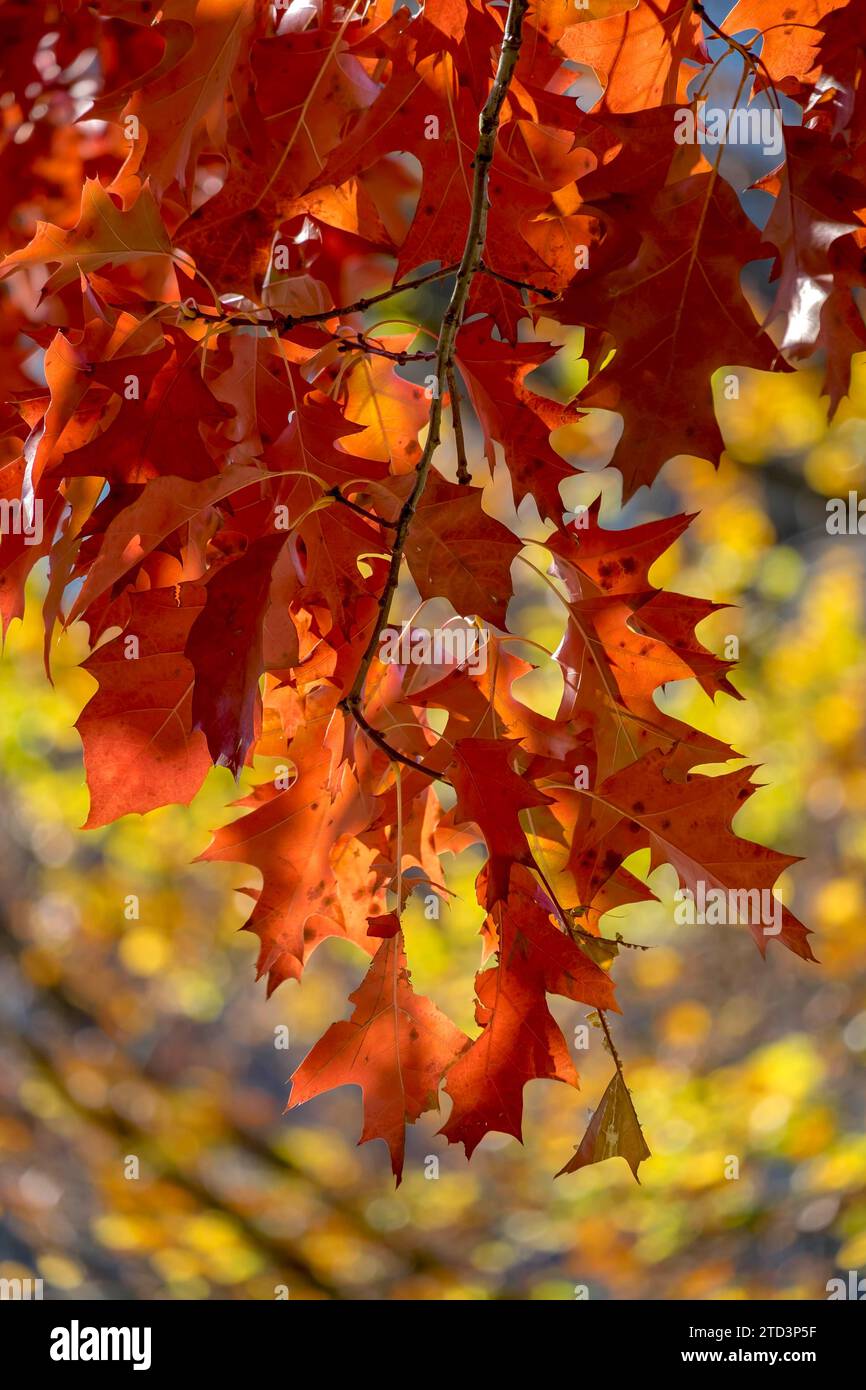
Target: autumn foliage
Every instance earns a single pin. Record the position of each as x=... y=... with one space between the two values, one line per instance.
x=212 y=206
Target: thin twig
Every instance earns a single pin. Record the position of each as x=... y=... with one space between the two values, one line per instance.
x=516 y=284
x=608 y=940
x=610 y=1043
x=355 y=507
x=560 y=912
x=362 y=343
x=728 y=38
x=292 y=320
x=754 y=60
x=286 y=321
x=488 y=126
x=381 y=742
x=572 y=928
x=463 y=474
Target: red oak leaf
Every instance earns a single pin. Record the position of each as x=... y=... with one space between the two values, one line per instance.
x=492 y=795
x=396 y=1047
x=140 y=748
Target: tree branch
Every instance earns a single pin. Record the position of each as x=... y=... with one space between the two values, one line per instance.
x=354 y=507
x=488 y=126
x=610 y=1043
x=572 y=929
x=463 y=474
x=292 y=320
x=753 y=60
x=351 y=705
x=516 y=284
x=284 y=322
x=561 y=914
x=607 y=940
x=362 y=343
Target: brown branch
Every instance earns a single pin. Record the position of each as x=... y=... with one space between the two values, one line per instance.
x=560 y=911
x=292 y=320
x=572 y=927
x=284 y=322
x=354 y=507
x=516 y=284
x=351 y=705
x=363 y=344
x=610 y=1043
x=716 y=29
x=463 y=474
x=753 y=60
x=488 y=126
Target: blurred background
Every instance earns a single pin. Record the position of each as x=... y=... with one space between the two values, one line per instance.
x=145 y=1037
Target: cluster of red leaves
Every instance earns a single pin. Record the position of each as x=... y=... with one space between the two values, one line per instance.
x=233 y=474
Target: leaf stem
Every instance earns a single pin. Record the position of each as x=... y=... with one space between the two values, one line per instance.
x=488 y=126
